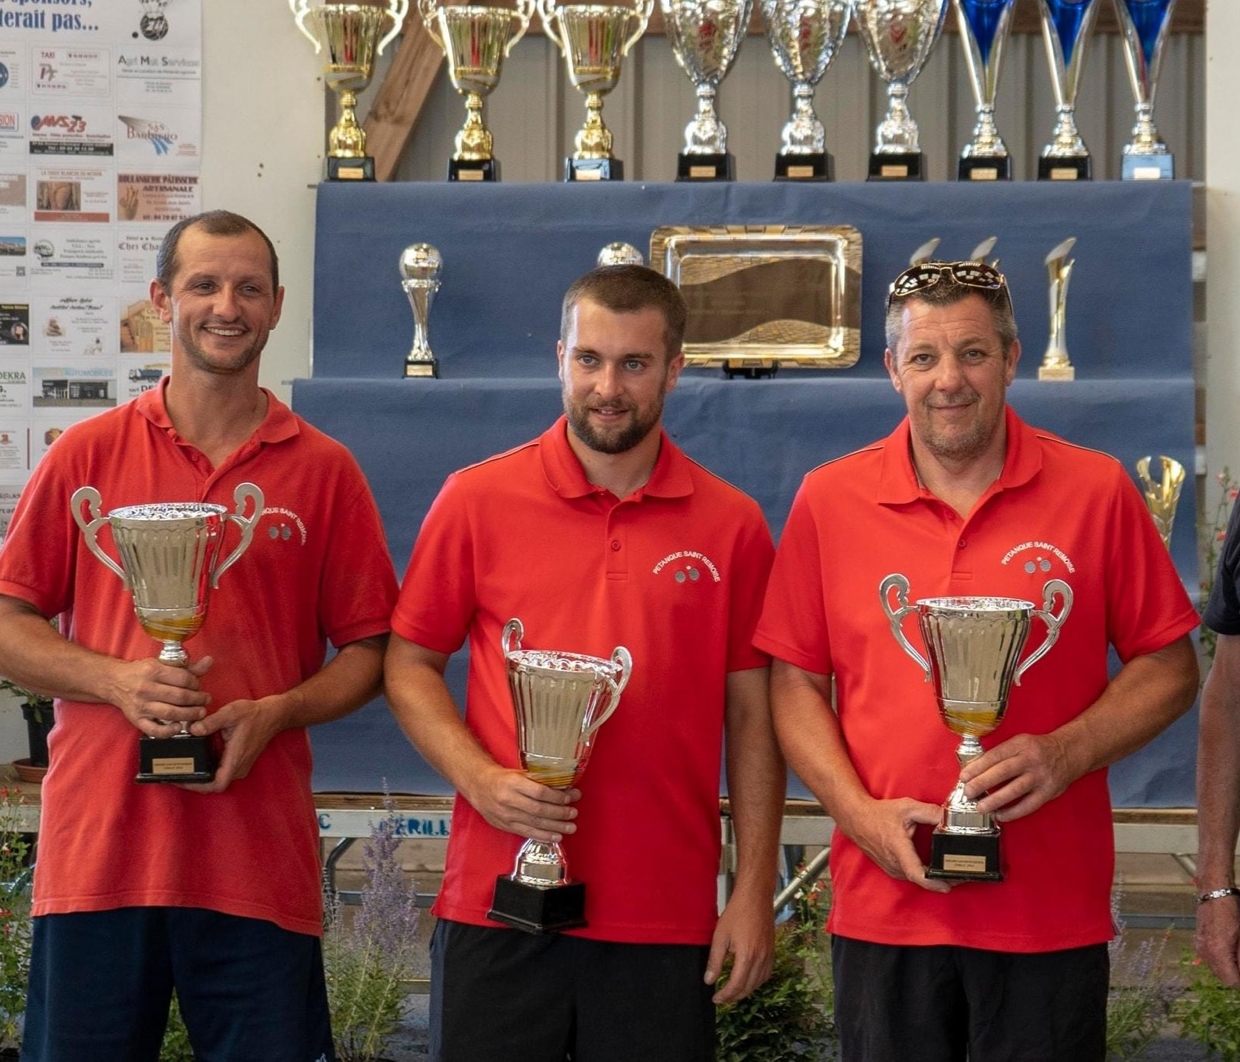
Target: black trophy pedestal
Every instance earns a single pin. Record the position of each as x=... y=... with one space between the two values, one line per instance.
x=964 y=856
x=593 y=170
x=909 y=166
x=473 y=169
x=985 y=168
x=818 y=166
x=1071 y=169
x=713 y=167
x=183 y=758
x=538 y=908
x=362 y=169
x=1148 y=168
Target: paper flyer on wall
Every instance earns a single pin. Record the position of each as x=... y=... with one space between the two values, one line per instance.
x=100 y=153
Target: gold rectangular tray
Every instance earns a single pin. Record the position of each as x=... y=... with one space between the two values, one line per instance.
x=766 y=295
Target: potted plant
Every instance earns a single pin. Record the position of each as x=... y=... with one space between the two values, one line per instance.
x=37 y=711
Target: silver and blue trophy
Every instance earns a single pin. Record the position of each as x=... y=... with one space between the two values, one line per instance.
x=1145 y=24
x=984 y=26
x=1066 y=25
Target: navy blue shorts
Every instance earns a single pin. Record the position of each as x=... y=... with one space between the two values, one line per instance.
x=101 y=983
x=500 y=995
x=946 y=1004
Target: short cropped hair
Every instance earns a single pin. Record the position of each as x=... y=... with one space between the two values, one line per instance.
x=628 y=289
x=213 y=223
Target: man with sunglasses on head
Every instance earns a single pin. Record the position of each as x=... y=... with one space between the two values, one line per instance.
x=965 y=498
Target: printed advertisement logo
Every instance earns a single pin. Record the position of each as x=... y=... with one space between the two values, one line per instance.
x=9 y=122
x=161 y=138
x=70 y=123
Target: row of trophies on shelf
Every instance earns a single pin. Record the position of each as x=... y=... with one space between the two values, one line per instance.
x=804 y=35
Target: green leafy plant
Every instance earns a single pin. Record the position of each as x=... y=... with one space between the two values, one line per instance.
x=1209 y=1012
x=176 y=1046
x=15 y=926
x=370 y=953
x=1211 y=535
x=790 y=1017
x=1141 y=997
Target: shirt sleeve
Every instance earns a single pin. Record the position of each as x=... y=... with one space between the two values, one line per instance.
x=1223 y=609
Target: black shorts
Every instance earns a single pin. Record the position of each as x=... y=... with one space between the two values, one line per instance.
x=507 y=996
x=946 y=1004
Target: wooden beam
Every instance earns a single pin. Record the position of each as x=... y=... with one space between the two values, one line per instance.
x=394 y=112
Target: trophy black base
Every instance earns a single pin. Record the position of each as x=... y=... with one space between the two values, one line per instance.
x=818 y=166
x=749 y=369
x=1148 y=168
x=417 y=370
x=713 y=167
x=593 y=170
x=985 y=168
x=1071 y=169
x=908 y=166
x=964 y=856
x=538 y=908
x=183 y=758
x=362 y=169
x=473 y=169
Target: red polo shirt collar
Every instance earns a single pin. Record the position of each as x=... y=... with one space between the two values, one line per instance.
x=670 y=479
x=279 y=423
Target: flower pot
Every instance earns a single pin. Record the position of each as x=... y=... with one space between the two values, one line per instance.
x=39 y=719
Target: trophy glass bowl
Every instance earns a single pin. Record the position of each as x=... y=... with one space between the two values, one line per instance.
x=705 y=36
x=898 y=36
x=476 y=40
x=560 y=701
x=594 y=39
x=805 y=36
x=350 y=37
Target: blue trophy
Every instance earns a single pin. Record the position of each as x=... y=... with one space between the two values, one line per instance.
x=1145 y=25
x=984 y=27
x=1065 y=28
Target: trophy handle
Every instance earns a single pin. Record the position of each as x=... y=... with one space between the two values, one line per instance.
x=90 y=531
x=546 y=15
x=398 y=9
x=510 y=640
x=641 y=13
x=896 y=616
x=244 y=492
x=619 y=656
x=428 y=9
x=522 y=13
x=1053 y=622
x=301 y=9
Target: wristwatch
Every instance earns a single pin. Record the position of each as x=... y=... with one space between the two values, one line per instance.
x=1218 y=894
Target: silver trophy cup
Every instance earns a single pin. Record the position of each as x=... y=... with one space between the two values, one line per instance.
x=984 y=26
x=705 y=36
x=898 y=36
x=421 y=267
x=973 y=647
x=560 y=700
x=169 y=559
x=805 y=36
x=1065 y=29
x=1145 y=24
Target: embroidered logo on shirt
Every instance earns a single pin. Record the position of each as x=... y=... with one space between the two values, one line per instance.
x=1038 y=558
x=688 y=566
x=282 y=529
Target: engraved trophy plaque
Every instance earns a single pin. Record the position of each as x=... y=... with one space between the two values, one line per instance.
x=169 y=559
x=560 y=700
x=421 y=266
x=973 y=647
x=984 y=26
x=593 y=39
x=705 y=36
x=805 y=36
x=1065 y=29
x=898 y=36
x=350 y=37
x=1056 y=365
x=476 y=40
x=1145 y=24
x=1162 y=495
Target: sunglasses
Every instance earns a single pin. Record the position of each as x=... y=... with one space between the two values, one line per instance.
x=925 y=275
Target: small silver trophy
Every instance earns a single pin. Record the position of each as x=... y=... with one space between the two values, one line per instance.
x=620 y=253
x=973 y=646
x=1065 y=29
x=1162 y=495
x=1145 y=24
x=560 y=700
x=984 y=26
x=420 y=268
x=169 y=558
x=805 y=36
x=705 y=36
x=1056 y=365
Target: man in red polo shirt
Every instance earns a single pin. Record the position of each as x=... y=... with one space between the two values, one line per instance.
x=600 y=533
x=964 y=498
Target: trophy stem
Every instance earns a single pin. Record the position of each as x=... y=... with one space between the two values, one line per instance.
x=474 y=143
x=986 y=140
x=804 y=134
x=541 y=863
x=347 y=139
x=897 y=133
x=1067 y=142
x=1145 y=138
x=173 y=653
x=594 y=139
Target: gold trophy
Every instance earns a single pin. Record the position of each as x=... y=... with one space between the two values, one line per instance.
x=353 y=35
x=1055 y=362
x=169 y=558
x=476 y=41
x=1162 y=495
x=592 y=38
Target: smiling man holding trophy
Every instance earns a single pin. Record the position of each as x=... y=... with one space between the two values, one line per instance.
x=949 y=947
x=197 y=888
x=627 y=569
